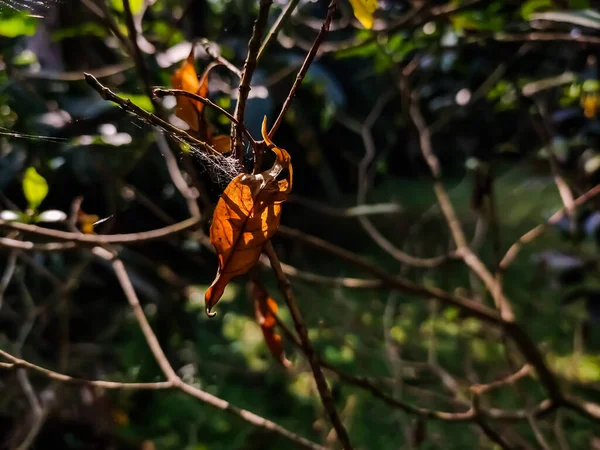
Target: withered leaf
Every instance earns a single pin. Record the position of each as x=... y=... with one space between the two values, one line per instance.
x=186 y=79
x=265 y=309
x=221 y=143
x=192 y=111
x=245 y=218
x=86 y=222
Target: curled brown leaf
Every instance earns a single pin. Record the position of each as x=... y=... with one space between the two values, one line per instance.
x=265 y=309
x=245 y=218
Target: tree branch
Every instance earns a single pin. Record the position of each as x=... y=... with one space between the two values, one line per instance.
x=305 y=66
x=169 y=372
x=237 y=145
x=324 y=391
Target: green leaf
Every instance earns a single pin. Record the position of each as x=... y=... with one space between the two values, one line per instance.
x=136 y=5
x=84 y=29
x=532 y=6
x=140 y=100
x=35 y=187
x=18 y=25
x=579 y=4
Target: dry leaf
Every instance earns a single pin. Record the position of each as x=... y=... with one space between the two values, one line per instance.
x=86 y=221
x=245 y=218
x=192 y=111
x=363 y=11
x=186 y=79
x=221 y=143
x=265 y=309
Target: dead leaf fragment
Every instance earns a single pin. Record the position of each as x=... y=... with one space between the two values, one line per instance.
x=265 y=309
x=245 y=218
x=192 y=111
x=186 y=79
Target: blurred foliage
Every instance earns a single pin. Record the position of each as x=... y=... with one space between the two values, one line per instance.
x=59 y=141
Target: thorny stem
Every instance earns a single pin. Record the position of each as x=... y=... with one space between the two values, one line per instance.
x=324 y=391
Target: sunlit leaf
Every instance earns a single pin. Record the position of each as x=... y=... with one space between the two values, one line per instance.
x=246 y=217
x=86 y=222
x=364 y=10
x=530 y=7
x=221 y=143
x=186 y=79
x=18 y=25
x=135 y=5
x=35 y=187
x=265 y=309
x=192 y=111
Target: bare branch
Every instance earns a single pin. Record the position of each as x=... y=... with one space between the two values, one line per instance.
x=324 y=391
x=304 y=69
x=95 y=239
x=536 y=232
x=249 y=67
x=169 y=372
x=277 y=26
x=178 y=92
x=147 y=117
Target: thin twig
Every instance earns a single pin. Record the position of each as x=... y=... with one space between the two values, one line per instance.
x=138 y=56
x=95 y=239
x=454 y=225
x=9 y=270
x=537 y=231
x=487 y=430
x=373 y=209
x=169 y=372
x=103 y=14
x=208 y=47
x=468 y=306
x=546 y=37
x=365 y=131
x=16 y=363
x=541 y=409
x=149 y=118
x=324 y=391
x=178 y=92
x=189 y=194
x=277 y=26
x=36 y=409
x=237 y=145
x=305 y=66
x=15 y=244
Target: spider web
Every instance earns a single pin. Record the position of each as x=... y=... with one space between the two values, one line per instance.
x=35 y=8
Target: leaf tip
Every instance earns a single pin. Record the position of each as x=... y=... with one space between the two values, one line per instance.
x=265 y=132
x=210 y=313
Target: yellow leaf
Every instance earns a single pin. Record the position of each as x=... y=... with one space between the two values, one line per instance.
x=35 y=187
x=363 y=11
